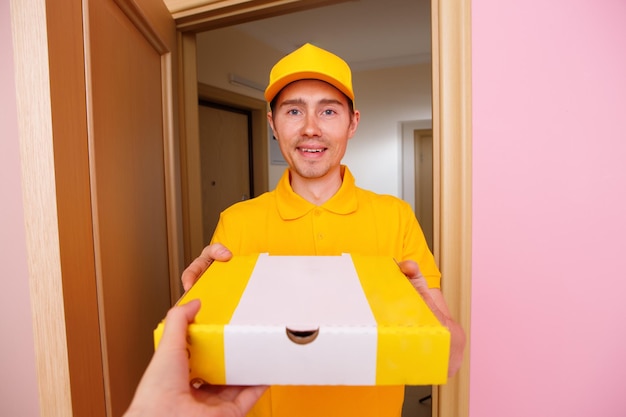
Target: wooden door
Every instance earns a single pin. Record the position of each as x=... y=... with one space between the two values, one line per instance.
x=224 y=160
x=129 y=53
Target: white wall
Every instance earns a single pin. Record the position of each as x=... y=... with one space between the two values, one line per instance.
x=385 y=97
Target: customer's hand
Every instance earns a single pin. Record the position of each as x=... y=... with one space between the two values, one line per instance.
x=164 y=389
x=214 y=252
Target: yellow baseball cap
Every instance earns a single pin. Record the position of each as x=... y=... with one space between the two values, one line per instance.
x=310 y=62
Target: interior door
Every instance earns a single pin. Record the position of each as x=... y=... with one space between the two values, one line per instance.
x=129 y=48
x=224 y=159
x=423 y=146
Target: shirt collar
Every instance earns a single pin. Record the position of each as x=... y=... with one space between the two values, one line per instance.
x=291 y=206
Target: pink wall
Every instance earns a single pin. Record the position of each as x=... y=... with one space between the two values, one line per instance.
x=18 y=383
x=549 y=219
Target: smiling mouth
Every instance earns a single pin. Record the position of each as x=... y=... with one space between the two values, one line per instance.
x=308 y=150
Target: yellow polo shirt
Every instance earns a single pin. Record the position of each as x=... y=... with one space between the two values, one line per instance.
x=354 y=221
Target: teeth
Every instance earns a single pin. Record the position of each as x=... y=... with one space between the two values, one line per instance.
x=312 y=150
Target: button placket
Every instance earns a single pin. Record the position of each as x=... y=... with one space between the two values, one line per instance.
x=319 y=228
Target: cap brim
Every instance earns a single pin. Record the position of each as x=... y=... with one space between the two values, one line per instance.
x=282 y=82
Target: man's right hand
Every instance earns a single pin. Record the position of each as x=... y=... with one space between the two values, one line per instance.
x=213 y=252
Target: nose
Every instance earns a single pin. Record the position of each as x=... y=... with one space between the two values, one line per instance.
x=311 y=127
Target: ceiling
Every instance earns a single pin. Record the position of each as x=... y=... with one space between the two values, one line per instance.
x=368 y=34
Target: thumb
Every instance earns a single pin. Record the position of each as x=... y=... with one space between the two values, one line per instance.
x=413 y=273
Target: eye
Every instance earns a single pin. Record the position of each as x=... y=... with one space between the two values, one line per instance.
x=329 y=112
x=293 y=112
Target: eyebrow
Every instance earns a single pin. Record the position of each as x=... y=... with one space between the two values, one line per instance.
x=302 y=102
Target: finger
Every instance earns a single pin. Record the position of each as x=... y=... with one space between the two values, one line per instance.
x=249 y=396
x=213 y=252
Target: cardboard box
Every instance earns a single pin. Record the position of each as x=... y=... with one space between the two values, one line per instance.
x=313 y=320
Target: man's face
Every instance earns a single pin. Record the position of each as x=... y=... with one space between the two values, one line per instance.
x=312 y=122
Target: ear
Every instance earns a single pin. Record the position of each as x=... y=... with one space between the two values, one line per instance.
x=270 y=120
x=354 y=123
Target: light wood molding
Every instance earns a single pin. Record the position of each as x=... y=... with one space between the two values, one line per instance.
x=452 y=130
x=30 y=41
x=200 y=15
x=190 y=148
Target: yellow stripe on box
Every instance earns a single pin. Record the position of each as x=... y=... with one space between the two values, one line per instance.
x=219 y=298
x=412 y=344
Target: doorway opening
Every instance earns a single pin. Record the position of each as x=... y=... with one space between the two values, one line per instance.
x=451 y=115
